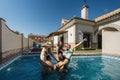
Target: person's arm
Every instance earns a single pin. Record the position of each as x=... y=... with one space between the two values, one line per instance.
x=57 y=53
x=79 y=43
x=54 y=57
x=43 y=56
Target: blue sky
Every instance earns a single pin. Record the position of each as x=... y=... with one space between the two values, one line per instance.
x=44 y=16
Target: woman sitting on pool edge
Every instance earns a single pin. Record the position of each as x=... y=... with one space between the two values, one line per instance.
x=68 y=54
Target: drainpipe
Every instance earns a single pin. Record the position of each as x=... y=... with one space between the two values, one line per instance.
x=22 y=42
x=28 y=43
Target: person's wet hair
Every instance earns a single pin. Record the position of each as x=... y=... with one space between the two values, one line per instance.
x=59 y=42
x=68 y=46
x=49 y=50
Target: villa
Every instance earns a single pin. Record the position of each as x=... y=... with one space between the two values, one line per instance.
x=20 y=57
x=98 y=31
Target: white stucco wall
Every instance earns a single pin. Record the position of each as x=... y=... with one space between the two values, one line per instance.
x=55 y=39
x=79 y=35
x=25 y=42
x=116 y=22
x=66 y=37
x=111 y=42
x=80 y=30
x=31 y=43
x=85 y=28
x=71 y=34
x=10 y=40
x=115 y=25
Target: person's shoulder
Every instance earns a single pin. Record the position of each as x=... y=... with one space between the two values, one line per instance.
x=43 y=52
x=70 y=50
x=57 y=47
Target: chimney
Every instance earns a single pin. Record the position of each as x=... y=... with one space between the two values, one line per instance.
x=84 y=11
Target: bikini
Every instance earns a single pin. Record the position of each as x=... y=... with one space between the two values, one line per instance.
x=69 y=52
x=60 y=51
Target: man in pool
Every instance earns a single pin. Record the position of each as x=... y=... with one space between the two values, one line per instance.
x=45 y=58
x=68 y=54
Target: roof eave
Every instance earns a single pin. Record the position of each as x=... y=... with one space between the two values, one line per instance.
x=74 y=18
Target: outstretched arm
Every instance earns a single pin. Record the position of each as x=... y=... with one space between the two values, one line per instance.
x=57 y=52
x=79 y=43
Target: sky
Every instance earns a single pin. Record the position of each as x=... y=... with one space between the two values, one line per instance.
x=44 y=16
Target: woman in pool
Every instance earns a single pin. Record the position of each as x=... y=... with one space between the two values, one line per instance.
x=68 y=54
x=59 y=51
x=59 y=54
x=45 y=58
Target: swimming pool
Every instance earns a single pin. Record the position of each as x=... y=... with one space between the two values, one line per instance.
x=80 y=68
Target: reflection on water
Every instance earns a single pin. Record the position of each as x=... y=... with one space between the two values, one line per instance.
x=88 y=69
x=80 y=68
x=83 y=69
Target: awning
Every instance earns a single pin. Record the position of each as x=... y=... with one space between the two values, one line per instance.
x=56 y=33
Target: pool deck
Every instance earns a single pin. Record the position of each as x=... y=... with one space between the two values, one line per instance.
x=87 y=54
x=79 y=54
x=11 y=57
x=113 y=55
x=74 y=54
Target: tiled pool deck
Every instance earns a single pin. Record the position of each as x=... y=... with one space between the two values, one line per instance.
x=11 y=59
x=3 y=65
x=74 y=55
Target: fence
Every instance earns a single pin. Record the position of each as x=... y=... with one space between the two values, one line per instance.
x=11 y=43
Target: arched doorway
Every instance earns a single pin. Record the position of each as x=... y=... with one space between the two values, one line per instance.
x=99 y=35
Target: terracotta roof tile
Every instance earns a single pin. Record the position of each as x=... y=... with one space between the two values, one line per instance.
x=108 y=15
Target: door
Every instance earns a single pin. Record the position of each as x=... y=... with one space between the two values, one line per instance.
x=62 y=39
x=86 y=44
x=99 y=42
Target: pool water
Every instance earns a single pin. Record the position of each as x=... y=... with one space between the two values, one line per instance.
x=80 y=68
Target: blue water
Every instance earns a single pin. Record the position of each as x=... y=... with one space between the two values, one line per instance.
x=80 y=68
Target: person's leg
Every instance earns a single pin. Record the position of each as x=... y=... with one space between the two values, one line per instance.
x=62 y=63
x=50 y=64
x=57 y=57
x=61 y=68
